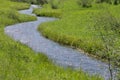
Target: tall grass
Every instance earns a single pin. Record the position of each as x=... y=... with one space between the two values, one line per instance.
x=18 y=62
x=76 y=27
x=48 y=12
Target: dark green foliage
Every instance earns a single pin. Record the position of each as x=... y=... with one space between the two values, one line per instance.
x=115 y=2
x=109 y=22
x=108 y=27
x=104 y=1
x=42 y=1
x=54 y=3
x=85 y=3
x=88 y=3
x=33 y=1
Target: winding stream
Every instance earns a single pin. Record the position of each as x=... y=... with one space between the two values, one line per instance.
x=27 y=34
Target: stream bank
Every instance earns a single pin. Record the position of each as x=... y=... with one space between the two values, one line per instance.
x=27 y=34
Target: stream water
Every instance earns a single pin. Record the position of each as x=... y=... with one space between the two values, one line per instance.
x=27 y=34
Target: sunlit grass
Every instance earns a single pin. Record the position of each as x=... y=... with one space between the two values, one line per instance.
x=76 y=27
x=18 y=62
x=48 y=12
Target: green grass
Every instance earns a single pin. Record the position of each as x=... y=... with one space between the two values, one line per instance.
x=76 y=27
x=48 y=12
x=18 y=62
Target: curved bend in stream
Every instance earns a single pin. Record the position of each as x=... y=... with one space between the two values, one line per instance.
x=27 y=34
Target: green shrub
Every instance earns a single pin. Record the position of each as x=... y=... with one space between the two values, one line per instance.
x=32 y=1
x=115 y=2
x=85 y=3
x=54 y=3
x=42 y=1
x=108 y=29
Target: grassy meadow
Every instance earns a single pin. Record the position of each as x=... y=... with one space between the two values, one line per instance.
x=81 y=28
x=18 y=62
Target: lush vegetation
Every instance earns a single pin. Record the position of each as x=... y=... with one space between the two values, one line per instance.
x=18 y=62
x=81 y=27
x=48 y=12
x=32 y=1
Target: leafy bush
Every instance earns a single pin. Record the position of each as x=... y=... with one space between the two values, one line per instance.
x=108 y=28
x=115 y=2
x=54 y=3
x=42 y=1
x=33 y=1
x=85 y=3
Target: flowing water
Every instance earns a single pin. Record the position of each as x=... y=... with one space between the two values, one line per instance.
x=27 y=34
